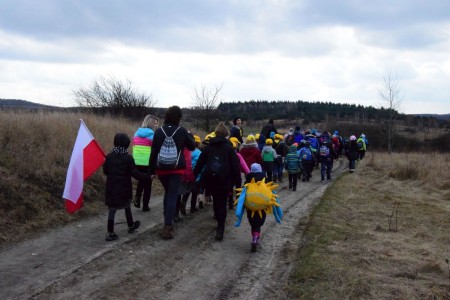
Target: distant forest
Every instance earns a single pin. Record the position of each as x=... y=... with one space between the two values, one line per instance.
x=315 y=112
x=299 y=112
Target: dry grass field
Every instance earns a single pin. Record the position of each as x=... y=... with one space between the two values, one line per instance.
x=380 y=233
x=34 y=156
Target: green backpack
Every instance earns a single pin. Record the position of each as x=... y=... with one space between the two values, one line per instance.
x=267 y=156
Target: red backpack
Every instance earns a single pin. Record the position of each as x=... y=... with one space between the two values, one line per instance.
x=188 y=175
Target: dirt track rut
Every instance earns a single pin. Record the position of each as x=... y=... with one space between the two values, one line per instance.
x=75 y=261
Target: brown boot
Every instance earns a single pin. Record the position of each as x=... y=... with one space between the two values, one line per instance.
x=167 y=232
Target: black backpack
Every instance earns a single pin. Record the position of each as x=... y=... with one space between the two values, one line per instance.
x=217 y=165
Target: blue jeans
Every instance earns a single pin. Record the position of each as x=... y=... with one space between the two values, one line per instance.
x=171 y=185
x=351 y=164
x=278 y=171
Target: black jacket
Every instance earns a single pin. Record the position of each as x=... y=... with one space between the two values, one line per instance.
x=233 y=176
x=236 y=132
x=182 y=139
x=352 y=151
x=267 y=129
x=119 y=168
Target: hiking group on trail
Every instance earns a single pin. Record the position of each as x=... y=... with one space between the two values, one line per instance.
x=210 y=170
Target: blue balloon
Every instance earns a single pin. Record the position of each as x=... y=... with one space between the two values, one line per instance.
x=240 y=209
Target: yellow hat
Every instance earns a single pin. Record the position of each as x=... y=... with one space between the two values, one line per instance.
x=257 y=136
x=234 y=140
x=197 y=139
x=250 y=138
x=210 y=135
x=269 y=142
x=278 y=136
x=235 y=144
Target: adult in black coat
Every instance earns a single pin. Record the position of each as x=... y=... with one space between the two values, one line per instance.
x=268 y=128
x=221 y=173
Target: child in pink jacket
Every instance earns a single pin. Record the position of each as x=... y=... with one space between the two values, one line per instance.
x=243 y=166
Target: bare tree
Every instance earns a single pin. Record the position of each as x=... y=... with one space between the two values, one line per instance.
x=390 y=94
x=114 y=96
x=206 y=99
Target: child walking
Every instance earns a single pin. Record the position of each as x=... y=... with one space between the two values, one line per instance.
x=257 y=221
x=292 y=164
x=119 y=167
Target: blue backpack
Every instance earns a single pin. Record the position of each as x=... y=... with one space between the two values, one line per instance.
x=314 y=143
x=324 y=151
x=305 y=154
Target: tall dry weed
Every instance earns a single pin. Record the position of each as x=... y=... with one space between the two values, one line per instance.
x=35 y=150
x=431 y=169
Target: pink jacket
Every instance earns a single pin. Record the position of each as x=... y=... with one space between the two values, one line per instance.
x=243 y=164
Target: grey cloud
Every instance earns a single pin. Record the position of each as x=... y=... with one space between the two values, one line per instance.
x=227 y=26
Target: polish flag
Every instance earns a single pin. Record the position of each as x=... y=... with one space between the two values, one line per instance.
x=87 y=157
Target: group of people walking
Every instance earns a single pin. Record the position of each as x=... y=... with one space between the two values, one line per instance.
x=187 y=166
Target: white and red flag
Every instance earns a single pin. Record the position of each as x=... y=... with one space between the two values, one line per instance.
x=87 y=157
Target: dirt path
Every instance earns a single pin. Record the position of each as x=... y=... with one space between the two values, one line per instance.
x=75 y=261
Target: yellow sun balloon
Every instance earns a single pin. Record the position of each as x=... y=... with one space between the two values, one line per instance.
x=259 y=196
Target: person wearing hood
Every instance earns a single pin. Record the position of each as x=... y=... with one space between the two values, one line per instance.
x=142 y=147
x=119 y=168
x=352 y=153
x=222 y=172
x=289 y=137
x=268 y=156
x=298 y=135
x=256 y=221
x=307 y=160
x=261 y=140
x=292 y=164
x=314 y=143
x=361 y=143
x=250 y=151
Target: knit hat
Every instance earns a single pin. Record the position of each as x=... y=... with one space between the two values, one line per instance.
x=121 y=140
x=250 y=138
x=272 y=135
x=255 y=168
x=269 y=142
x=353 y=138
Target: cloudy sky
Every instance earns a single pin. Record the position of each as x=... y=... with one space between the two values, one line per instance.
x=313 y=50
